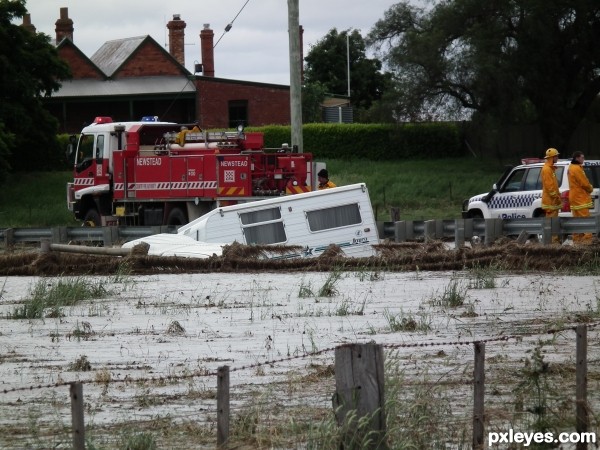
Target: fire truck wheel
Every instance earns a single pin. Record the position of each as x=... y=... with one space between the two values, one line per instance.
x=176 y=217
x=92 y=219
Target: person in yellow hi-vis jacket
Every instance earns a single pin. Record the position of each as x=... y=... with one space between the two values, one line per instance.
x=579 y=194
x=551 y=202
x=323 y=177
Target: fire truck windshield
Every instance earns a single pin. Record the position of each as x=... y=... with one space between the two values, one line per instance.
x=85 y=152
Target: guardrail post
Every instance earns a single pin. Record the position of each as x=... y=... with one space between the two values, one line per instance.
x=59 y=235
x=110 y=235
x=597 y=226
x=468 y=228
x=381 y=229
x=557 y=227
x=493 y=229
x=9 y=237
x=400 y=231
x=409 y=230
x=547 y=230
x=439 y=229
x=429 y=230
x=45 y=245
x=459 y=233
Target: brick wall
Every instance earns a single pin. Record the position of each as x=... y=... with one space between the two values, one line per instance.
x=80 y=65
x=267 y=104
x=147 y=61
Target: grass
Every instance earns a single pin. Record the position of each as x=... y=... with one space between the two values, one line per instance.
x=48 y=297
x=426 y=189
x=407 y=322
x=35 y=199
x=454 y=295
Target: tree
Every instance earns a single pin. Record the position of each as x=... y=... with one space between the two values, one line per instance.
x=327 y=64
x=313 y=95
x=514 y=61
x=29 y=69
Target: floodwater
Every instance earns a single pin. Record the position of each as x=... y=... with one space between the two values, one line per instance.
x=158 y=326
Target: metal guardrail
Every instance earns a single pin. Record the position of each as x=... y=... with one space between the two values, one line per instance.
x=404 y=230
x=108 y=236
x=488 y=229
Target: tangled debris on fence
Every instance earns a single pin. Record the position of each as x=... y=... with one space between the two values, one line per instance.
x=408 y=256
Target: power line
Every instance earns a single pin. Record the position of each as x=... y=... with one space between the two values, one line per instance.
x=230 y=24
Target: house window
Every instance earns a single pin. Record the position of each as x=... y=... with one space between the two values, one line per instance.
x=238 y=113
x=336 y=217
x=263 y=227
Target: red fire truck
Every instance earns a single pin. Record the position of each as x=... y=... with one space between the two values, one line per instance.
x=160 y=173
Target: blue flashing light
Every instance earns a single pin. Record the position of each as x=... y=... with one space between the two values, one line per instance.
x=150 y=119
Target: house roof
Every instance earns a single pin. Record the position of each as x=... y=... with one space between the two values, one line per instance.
x=113 y=54
x=125 y=86
x=68 y=43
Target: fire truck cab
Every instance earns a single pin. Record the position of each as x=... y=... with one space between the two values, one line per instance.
x=161 y=173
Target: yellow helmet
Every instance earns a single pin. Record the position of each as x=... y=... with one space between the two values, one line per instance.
x=551 y=152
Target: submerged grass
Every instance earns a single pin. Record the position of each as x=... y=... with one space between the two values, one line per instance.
x=47 y=297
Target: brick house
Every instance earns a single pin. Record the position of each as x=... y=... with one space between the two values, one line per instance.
x=134 y=77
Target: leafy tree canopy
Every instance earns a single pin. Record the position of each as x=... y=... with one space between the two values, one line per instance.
x=516 y=61
x=29 y=69
x=327 y=65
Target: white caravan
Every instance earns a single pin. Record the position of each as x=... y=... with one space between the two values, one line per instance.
x=312 y=221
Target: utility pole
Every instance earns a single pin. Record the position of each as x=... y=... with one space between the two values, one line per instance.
x=295 y=74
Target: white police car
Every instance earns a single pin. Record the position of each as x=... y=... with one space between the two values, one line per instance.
x=518 y=193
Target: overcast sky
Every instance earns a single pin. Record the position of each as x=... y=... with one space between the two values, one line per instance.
x=255 y=49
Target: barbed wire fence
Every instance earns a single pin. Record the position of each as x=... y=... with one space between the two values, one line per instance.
x=453 y=391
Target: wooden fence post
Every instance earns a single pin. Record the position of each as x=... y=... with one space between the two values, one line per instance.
x=76 y=392
x=222 y=407
x=359 y=397
x=478 y=396
x=582 y=416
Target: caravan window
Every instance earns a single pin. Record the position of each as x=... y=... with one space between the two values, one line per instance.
x=263 y=215
x=263 y=227
x=338 y=216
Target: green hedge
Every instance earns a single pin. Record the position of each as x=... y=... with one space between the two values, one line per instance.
x=373 y=141
x=377 y=142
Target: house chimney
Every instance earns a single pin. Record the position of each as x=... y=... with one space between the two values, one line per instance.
x=206 y=46
x=176 y=38
x=64 y=26
x=27 y=23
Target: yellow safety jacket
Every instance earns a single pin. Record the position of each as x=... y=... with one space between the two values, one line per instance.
x=327 y=185
x=550 y=193
x=579 y=188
